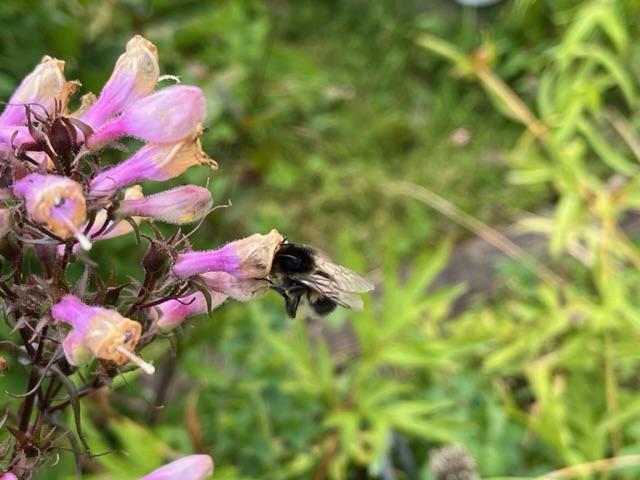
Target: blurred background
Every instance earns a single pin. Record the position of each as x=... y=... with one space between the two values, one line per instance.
x=479 y=164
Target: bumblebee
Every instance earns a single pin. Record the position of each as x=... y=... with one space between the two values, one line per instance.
x=300 y=270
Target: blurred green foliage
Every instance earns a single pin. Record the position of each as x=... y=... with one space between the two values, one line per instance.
x=316 y=109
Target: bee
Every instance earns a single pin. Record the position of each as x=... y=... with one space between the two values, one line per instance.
x=300 y=270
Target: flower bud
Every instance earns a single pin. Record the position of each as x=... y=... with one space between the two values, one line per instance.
x=63 y=137
x=172 y=313
x=155 y=161
x=96 y=332
x=240 y=289
x=157 y=259
x=166 y=116
x=42 y=87
x=191 y=467
x=134 y=77
x=56 y=202
x=247 y=258
x=179 y=205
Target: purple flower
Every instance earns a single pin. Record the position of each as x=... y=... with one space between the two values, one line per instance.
x=179 y=205
x=134 y=77
x=155 y=161
x=166 y=116
x=57 y=202
x=42 y=87
x=8 y=476
x=97 y=332
x=172 y=313
x=191 y=467
x=247 y=258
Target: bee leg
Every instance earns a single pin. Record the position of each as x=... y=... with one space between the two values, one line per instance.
x=292 y=302
x=279 y=289
x=292 y=299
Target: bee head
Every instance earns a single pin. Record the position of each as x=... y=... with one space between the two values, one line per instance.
x=293 y=258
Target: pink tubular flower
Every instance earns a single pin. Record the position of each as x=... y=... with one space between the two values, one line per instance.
x=42 y=87
x=191 y=467
x=97 y=332
x=166 y=116
x=57 y=202
x=247 y=258
x=155 y=161
x=172 y=313
x=134 y=77
x=8 y=476
x=179 y=205
x=240 y=289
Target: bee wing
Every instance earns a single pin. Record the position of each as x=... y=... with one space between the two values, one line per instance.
x=326 y=287
x=344 y=279
x=337 y=283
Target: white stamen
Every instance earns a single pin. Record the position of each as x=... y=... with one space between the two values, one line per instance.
x=83 y=240
x=146 y=367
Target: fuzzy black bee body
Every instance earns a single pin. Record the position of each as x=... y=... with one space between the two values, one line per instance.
x=301 y=271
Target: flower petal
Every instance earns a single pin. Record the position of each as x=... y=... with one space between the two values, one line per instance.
x=42 y=87
x=155 y=161
x=135 y=76
x=191 y=467
x=179 y=205
x=246 y=258
x=166 y=116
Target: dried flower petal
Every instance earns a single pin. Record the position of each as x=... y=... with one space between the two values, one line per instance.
x=191 y=467
x=247 y=258
x=179 y=205
x=96 y=332
x=166 y=116
x=56 y=202
x=155 y=161
x=42 y=86
x=135 y=76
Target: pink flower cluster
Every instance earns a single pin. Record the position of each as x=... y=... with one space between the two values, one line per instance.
x=62 y=200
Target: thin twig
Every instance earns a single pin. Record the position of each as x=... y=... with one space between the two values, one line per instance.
x=588 y=468
x=489 y=234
